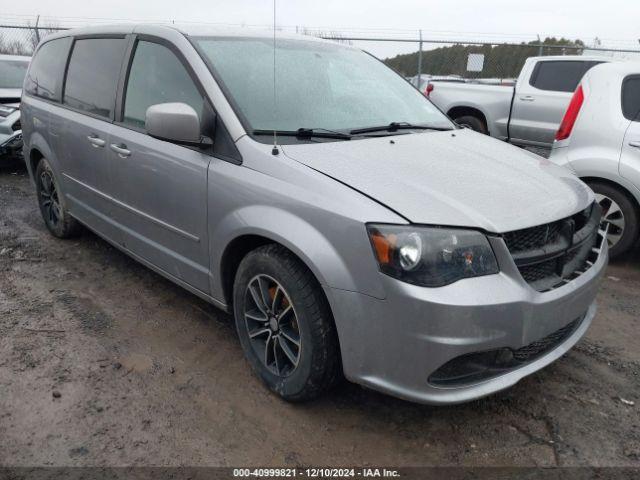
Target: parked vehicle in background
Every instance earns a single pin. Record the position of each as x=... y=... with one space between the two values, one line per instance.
x=525 y=115
x=375 y=237
x=510 y=82
x=12 y=71
x=424 y=79
x=599 y=139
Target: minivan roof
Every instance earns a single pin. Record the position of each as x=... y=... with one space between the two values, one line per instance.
x=192 y=30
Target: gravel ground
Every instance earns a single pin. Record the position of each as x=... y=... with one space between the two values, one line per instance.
x=103 y=362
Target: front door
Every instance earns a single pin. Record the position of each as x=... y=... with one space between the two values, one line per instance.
x=160 y=187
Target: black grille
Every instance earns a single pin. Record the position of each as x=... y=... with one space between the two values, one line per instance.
x=536 y=349
x=539 y=271
x=534 y=237
x=571 y=256
x=480 y=366
x=549 y=255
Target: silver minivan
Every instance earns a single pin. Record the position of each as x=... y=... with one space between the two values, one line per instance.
x=349 y=226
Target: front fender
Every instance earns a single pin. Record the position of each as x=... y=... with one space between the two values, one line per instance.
x=334 y=266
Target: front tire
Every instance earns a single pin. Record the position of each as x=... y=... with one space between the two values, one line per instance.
x=619 y=213
x=52 y=203
x=285 y=325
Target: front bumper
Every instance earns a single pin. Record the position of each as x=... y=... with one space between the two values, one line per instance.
x=394 y=345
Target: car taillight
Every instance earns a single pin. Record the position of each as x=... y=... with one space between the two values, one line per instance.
x=571 y=115
x=429 y=89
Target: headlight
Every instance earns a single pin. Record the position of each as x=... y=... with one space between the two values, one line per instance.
x=431 y=256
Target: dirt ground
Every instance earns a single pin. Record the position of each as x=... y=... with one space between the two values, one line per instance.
x=103 y=362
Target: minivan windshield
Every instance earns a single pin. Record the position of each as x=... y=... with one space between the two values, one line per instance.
x=12 y=73
x=320 y=86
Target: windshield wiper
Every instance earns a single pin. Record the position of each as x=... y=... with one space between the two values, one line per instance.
x=306 y=133
x=395 y=126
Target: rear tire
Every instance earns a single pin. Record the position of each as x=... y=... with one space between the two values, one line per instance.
x=474 y=123
x=52 y=203
x=285 y=325
x=619 y=212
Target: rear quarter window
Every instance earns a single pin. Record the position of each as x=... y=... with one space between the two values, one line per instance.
x=92 y=76
x=44 y=78
x=559 y=76
x=631 y=98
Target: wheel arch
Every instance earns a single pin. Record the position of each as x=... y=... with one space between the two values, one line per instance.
x=250 y=227
x=230 y=260
x=239 y=248
x=35 y=155
x=461 y=110
x=38 y=149
x=627 y=189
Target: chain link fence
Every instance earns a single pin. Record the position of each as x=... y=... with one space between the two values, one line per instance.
x=433 y=58
x=23 y=39
x=479 y=62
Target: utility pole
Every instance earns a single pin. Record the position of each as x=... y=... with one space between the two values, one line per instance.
x=419 y=85
x=36 y=28
x=540 y=51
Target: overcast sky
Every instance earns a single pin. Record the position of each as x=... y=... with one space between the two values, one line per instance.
x=614 y=21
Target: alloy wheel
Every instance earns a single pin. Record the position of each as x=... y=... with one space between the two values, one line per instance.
x=612 y=217
x=49 y=198
x=272 y=325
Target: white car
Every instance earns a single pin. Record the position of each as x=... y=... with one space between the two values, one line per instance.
x=599 y=139
x=12 y=71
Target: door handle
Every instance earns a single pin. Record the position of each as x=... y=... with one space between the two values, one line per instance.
x=635 y=143
x=528 y=98
x=96 y=141
x=120 y=149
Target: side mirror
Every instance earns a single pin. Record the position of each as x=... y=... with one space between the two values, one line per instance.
x=174 y=122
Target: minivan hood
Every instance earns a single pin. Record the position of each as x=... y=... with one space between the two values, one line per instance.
x=10 y=96
x=453 y=178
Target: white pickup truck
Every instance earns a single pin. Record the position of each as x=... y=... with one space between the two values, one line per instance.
x=527 y=114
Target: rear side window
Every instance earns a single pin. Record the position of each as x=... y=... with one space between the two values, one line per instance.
x=92 y=76
x=631 y=98
x=157 y=76
x=44 y=78
x=559 y=76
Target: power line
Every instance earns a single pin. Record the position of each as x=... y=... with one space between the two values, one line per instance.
x=361 y=34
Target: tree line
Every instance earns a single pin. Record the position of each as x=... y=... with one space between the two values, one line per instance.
x=500 y=61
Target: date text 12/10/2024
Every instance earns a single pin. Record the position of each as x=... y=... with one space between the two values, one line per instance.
x=316 y=472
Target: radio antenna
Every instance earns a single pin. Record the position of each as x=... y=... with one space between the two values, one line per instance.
x=275 y=150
